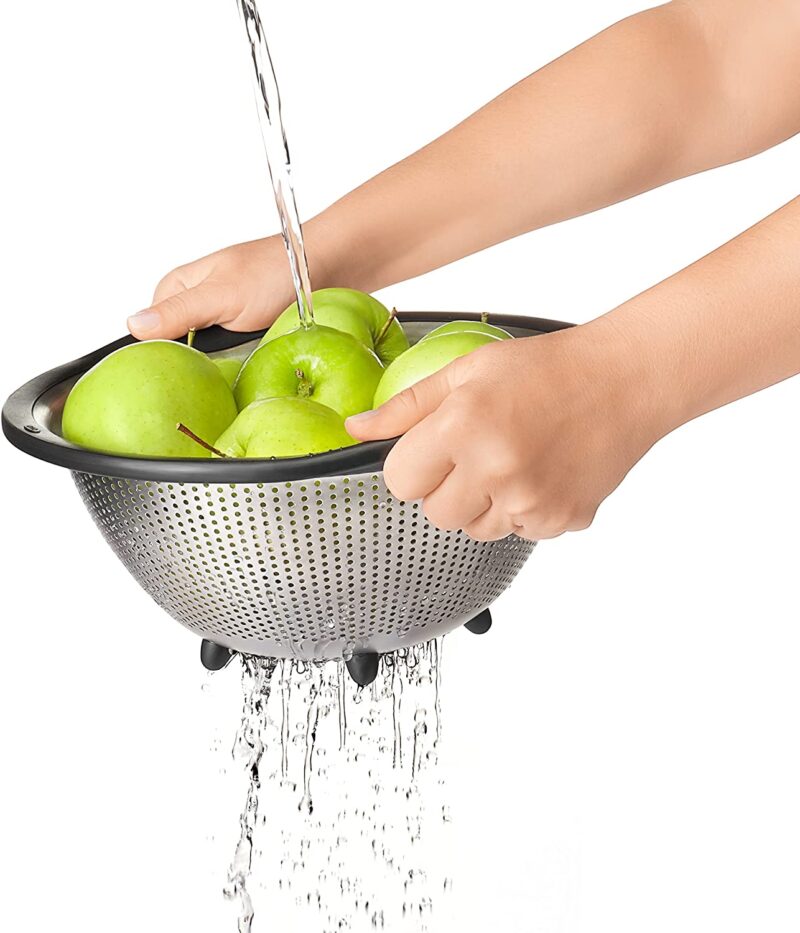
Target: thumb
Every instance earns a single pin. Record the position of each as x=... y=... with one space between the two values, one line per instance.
x=197 y=307
x=403 y=410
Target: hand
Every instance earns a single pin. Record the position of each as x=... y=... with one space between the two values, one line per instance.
x=243 y=288
x=521 y=436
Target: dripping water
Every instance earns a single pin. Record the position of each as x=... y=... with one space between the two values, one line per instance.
x=307 y=804
x=286 y=685
x=257 y=680
x=397 y=696
x=342 y=684
x=351 y=836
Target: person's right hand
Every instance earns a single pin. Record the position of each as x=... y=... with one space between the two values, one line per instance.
x=243 y=288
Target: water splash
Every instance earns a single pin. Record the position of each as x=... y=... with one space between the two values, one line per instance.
x=352 y=836
x=276 y=146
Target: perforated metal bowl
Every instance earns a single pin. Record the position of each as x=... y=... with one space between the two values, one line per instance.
x=306 y=557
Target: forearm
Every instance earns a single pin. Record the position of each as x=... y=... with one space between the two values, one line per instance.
x=721 y=329
x=590 y=401
x=669 y=92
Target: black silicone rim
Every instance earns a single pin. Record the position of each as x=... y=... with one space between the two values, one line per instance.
x=23 y=430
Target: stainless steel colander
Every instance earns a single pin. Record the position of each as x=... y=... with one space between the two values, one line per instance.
x=307 y=557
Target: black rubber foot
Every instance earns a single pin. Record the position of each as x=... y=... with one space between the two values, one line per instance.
x=481 y=624
x=363 y=668
x=213 y=657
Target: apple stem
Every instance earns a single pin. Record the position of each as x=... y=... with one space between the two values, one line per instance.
x=304 y=387
x=199 y=440
x=385 y=329
x=190 y=337
x=485 y=317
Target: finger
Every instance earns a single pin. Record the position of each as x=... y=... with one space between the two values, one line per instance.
x=536 y=525
x=183 y=278
x=493 y=525
x=542 y=529
x=456 y=502
x=419 y=461
x=170 y=285
x=178 y=314
x=404 y=410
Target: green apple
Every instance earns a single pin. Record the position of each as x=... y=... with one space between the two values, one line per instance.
x=228 y=367
x=426 y=358
x=284 y=427
x=320 y=363
x=478 y=327
x=355 y=313
x=131 y=401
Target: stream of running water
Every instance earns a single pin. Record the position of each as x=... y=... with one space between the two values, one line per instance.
x=344 y=824
x=276 y=146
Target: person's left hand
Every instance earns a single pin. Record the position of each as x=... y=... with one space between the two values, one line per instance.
x=522 y=436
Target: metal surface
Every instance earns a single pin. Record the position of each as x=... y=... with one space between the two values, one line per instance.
x=305 y=557
x=312 y=569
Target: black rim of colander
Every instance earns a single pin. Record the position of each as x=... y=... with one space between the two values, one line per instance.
x=30 y=436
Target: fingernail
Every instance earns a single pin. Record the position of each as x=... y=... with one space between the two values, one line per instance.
x=361 y=418
x=144 y=321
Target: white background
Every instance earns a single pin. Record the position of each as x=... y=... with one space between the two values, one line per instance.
x=622 y=751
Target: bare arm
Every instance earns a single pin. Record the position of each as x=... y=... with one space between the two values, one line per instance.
x=588 y=402
x=723 y=328
x=666 y=93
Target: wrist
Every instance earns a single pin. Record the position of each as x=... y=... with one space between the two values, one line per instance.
x=336 y=256
x=638 y=387
x=365 y=241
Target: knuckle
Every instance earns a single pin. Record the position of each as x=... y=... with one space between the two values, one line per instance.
x=461 y=370
x=504 y=463
x=410 y=397
x=450 y=421
x=510 y=463
x=169 y=285
x=551 y=525
x=493 y=526
x=467 y=398
x=541 y=521
x=176 y=308
x=523 y=505
x=533 y=531
x=456 y=412
x=405 y=402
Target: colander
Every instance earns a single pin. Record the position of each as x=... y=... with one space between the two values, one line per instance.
x=308 y=557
